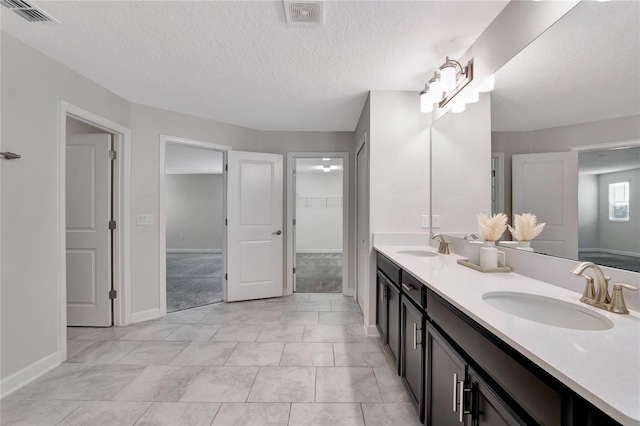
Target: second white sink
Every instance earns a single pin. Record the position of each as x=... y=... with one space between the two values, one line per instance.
x=546 y=310
x=419 y=253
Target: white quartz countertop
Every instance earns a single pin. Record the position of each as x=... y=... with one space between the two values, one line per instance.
x=602 y=366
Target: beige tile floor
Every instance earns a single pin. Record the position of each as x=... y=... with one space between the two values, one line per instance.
x=296 y=360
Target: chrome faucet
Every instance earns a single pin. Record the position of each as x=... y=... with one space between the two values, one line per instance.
x=443 y=246
x=472 y=236
x=600 y=298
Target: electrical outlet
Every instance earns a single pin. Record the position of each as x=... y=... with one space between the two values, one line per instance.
x=424 y=221
x=435 y=222
x=144 y=220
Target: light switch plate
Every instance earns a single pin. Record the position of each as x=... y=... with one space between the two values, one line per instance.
x=144 y=220
x=436 y=221
x=424 y=221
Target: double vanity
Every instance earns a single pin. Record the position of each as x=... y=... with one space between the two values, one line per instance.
x=503 y=349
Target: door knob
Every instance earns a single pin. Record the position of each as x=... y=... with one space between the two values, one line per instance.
x=278 y=232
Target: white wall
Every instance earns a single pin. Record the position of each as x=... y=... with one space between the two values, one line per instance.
x=32 y=87
x=319 y=212
x=620 y=236
x=194 y=212
x=399 y=172
x=461 y=167
x=588 y=212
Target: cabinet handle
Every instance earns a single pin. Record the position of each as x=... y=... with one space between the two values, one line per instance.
x=455 y=392
x=415 y=336
x=408 y=287
x=461 y=390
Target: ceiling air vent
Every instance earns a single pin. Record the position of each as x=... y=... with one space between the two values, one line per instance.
x=304 y=13
x=28 y=11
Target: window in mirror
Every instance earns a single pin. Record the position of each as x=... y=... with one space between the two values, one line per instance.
x=619 y=202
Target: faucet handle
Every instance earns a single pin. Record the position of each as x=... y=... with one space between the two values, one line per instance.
x=617 y=305
x=589 y=293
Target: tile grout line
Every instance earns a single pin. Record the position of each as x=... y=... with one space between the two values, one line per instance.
x=72 y=411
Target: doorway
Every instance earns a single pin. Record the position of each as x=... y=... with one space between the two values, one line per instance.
x=319 y=225
x=362 y=221
x=193 y=220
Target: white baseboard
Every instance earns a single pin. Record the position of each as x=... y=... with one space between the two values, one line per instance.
x=319 y=251
x=12 y=383
x=145 y=315
x=371 y=331
x=349 y=292
x=609 y=251
x=194 y=250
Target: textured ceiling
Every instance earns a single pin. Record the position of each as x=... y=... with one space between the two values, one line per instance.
x=238 y=62
x=586 y=67
x=609 y=161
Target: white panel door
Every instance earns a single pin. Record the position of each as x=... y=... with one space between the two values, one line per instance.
x=255 y=220
x=547 y=185
x=88 y=211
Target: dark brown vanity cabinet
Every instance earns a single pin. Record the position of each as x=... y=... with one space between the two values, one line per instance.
x=388 y=307
x=456 y=394
x=412 y=352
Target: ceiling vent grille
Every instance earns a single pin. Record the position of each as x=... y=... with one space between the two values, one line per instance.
x=28 y=11
x=304 y=13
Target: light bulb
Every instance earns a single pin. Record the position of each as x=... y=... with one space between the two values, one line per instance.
x=448 y=78
x=426 y=103
x=472 y=97
x=488 y=84
x=459 y=107
x=436 y=90
x=326 y=159
x=326 y=169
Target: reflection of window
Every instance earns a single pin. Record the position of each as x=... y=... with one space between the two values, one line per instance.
x=619 y=202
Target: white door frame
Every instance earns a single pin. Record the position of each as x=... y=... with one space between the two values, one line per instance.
x=362 y=144
x=162 y=220
x=121 y=237
x=291 y=205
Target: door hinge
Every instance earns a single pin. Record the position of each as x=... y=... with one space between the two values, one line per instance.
x=294 y=270
x=294 y=222
x=112 y=224
x=226 y=222
x=113 y=294
x=113 y=155
x=225 y=277
x=226 y=167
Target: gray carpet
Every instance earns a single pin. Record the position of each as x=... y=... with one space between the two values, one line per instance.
x=628 y=263
x=193 y=279
x=319 y=272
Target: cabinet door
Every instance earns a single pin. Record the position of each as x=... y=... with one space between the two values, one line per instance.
x=445 y=383
x=412 y=353
x=487 y=408
x=393 y=321
x=381 y=306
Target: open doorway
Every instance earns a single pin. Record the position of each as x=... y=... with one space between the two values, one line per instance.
x=320 y=219
x=194 y=226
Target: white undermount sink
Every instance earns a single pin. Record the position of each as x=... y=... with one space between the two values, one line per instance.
x=419 y=253
x=547 y=310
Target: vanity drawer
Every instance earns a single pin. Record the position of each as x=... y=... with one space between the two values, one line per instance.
x=390 y=269
x=414 y=289
x=518 y=378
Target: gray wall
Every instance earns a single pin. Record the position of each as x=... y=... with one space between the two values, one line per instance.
x=622 y=236
x=32 y=87
x=194 y=212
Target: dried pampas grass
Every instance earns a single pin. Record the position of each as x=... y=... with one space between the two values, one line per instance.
x=492 y=228
x=526 y=227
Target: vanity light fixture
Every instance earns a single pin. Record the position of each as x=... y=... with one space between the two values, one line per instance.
x=445 y=84
x=326 y=159
x=326 y=169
